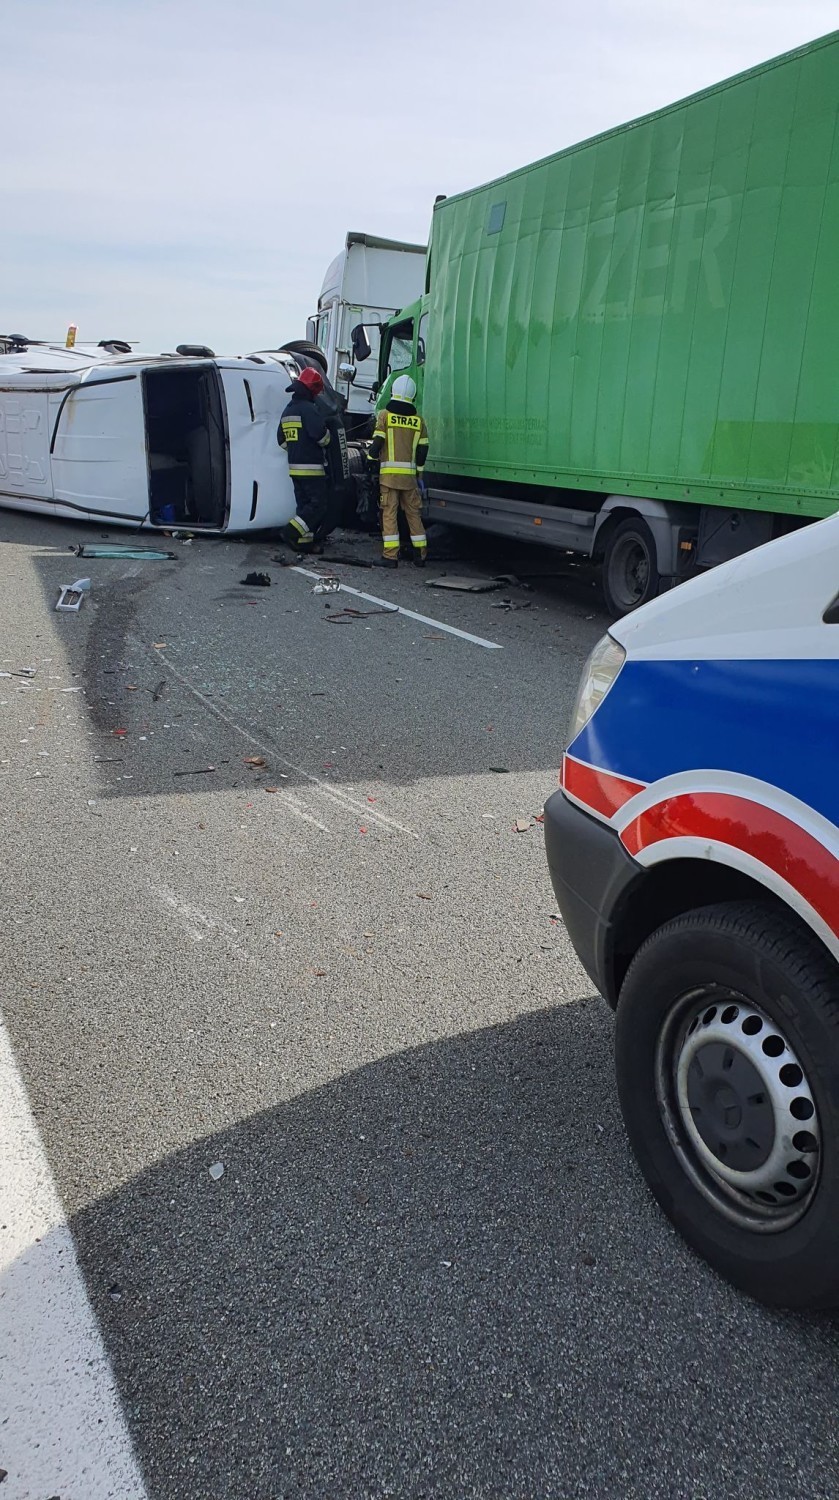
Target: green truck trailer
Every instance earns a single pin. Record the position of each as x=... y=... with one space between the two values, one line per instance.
x=630 y=350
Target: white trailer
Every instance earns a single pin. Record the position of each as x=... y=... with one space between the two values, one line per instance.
x=145 y=440
x=369 y=281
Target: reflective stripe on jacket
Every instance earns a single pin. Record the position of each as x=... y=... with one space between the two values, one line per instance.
x=399 y=436
x=303 y=434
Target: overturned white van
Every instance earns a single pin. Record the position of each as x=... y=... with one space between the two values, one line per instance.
x=145 y=440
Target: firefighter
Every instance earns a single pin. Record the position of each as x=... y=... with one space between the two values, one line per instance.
x=400 y=442
x=304 y=435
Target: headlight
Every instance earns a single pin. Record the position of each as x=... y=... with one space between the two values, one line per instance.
x=599 y=673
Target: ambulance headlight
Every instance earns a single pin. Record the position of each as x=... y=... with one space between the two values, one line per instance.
x=599 y=673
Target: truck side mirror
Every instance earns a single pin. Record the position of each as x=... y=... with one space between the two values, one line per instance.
x=311 y=331
x=360 y=343
x=346 y=372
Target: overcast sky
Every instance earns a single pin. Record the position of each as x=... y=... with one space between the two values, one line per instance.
x=184 y=170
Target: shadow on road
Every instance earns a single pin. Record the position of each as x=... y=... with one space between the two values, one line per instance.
x=438 y=1276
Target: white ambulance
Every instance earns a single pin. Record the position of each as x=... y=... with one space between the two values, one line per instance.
x=694 y=851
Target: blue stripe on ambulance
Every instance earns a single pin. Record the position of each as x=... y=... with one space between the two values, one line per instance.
x=749 y=717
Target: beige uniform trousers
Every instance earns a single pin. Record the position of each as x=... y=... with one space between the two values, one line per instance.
x=410 y=501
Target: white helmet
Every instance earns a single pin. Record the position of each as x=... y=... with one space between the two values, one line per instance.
x=403 y=388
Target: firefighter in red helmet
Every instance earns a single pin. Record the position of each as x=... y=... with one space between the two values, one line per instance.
x=304 y=435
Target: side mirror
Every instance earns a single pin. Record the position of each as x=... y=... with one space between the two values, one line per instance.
x=311 y=331
x=360 y=344
x=346 y=372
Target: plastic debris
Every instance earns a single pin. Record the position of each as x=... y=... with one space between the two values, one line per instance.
x=463 y=585
x=257 y=580
x=217 y=1170
x=72 y=595
x=327 y=585
x=523 y=824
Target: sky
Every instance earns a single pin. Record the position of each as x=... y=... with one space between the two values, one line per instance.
x=183 y=171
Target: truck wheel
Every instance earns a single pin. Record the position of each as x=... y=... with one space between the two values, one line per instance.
x=727 y=1058
x=630 y=571
x=303 y=346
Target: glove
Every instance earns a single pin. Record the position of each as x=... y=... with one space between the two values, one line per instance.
x=422 y=489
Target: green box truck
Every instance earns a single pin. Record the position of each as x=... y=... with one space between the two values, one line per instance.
x=630 y=350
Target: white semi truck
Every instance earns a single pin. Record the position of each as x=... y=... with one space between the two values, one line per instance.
x=367 y=283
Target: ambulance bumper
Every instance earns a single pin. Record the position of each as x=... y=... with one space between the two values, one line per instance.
x=592 y=875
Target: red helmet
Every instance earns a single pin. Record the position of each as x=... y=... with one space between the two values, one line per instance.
x=312 y=381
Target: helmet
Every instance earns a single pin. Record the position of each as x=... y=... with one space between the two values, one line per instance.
x=312 y=380
x=403 y=388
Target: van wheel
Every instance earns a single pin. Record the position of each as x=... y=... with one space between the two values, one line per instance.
x=304 y=346
x=630 y=572
x=727 y=1058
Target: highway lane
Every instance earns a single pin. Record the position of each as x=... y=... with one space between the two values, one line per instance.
x=329 y=966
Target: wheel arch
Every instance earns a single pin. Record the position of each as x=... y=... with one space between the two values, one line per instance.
x=664 y=519
x=672 y=888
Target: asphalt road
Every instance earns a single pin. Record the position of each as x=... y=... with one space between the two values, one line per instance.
x=430 y=1268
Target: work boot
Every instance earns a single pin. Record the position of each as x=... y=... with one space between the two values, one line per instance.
x=419 y=559
x=386 y=562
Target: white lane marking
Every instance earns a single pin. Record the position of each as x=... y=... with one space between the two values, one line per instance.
x=62 y=1431
x=334 y=793
x=476 y=640
x=198 y=924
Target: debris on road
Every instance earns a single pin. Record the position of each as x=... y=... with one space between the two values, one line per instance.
x=72 y=595
x=463 y=585
x=216 y=1170
x=500 y=770
x=271 y=789
x=125 y=551
x=511 y=604
x=425 y=895
x=257 y=580
x=523 y=824
x=327 y=584
x=198 y=771
x=254 y=760
x=159 y=690
x=346 y=616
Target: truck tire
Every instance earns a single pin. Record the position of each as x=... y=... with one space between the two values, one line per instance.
x=303 y=346
x=630 y=571
x=727 y=1059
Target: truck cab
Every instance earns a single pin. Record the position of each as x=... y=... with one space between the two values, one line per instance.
x=402 y=349
x=364 y=286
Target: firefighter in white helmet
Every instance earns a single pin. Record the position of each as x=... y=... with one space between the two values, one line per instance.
x=400 y=443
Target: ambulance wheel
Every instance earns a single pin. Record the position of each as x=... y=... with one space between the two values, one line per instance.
x=311 y=351
x=727 y=1058
x=630 y=572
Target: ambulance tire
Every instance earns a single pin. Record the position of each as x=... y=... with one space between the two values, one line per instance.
x=699 y=986
x=629 y=570
x=311 y=351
